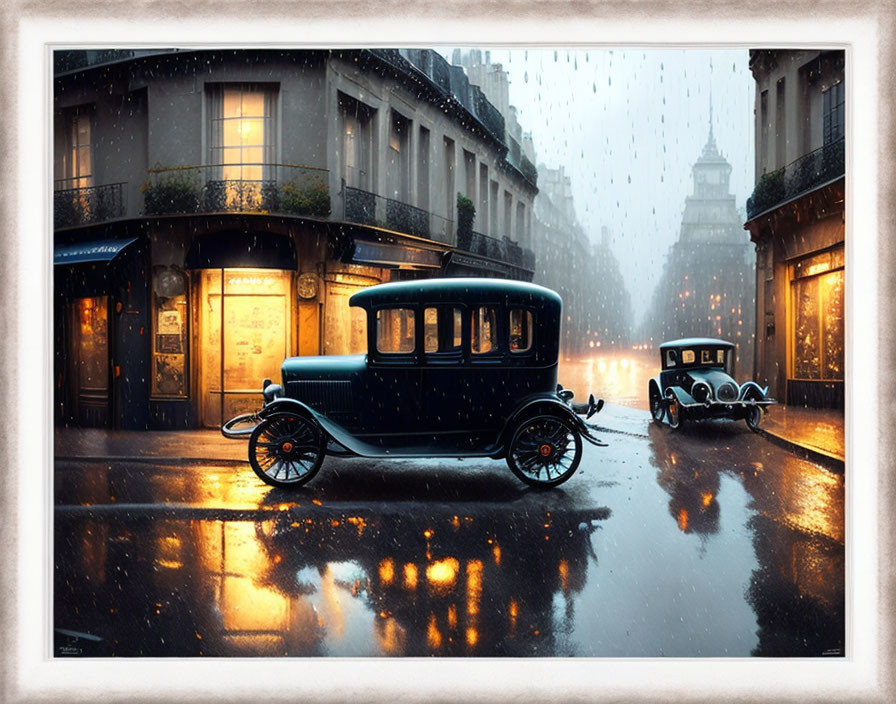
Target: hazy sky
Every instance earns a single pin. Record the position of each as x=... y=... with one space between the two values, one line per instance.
x=628 y=125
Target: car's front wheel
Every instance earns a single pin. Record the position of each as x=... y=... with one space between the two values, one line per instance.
x=657 y=407
x=673 y=409
x=286 y=449
x=753 y=418
x=545 y=451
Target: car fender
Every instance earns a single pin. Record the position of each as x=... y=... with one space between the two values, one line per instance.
x=749 y=387
x=535 y=406
x=682 y=396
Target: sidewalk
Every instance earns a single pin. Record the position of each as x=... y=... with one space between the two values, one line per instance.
x=182 y=446
x=818 y=433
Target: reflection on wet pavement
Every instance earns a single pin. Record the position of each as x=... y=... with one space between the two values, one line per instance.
x=703 y=542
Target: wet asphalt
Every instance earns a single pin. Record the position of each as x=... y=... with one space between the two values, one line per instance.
x=707 y=541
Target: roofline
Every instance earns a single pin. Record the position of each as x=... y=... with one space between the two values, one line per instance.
x=697 y=342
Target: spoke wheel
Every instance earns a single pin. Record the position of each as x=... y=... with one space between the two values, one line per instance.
x=286 y=449
x=673 y=409
x=754 y=416
x=656 y=404
x=545 y=451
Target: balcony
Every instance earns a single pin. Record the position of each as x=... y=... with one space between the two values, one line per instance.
x=502 y=250
x=801 y=176
x=281 y=189
x=86 y=205
x=364 y=208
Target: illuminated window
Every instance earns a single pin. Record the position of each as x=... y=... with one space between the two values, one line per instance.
x=484 y=330
x=77 y=159
x=520 y=330
x=441 y=329
x=720 y=356
x=242 y=141
x=687 y=356
x=395 y=330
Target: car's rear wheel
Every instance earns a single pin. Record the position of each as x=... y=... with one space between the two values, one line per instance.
x=545 y=451
x=286 y=449
x=673 y=410
x=657 y=408
x=753 y=418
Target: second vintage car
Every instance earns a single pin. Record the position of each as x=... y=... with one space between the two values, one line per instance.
x=695 y=384
x=454 y=368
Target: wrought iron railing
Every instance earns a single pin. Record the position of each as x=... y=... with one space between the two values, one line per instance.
x=502 y=250
x=87 y=205
x=365 y=208
x=805 y=174
x=257 y=188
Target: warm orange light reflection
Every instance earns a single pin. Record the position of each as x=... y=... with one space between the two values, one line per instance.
x=410 y=576
x=683 y=520
x=433 y=637
x=392 y=637
x=496 y=552
x=563 y=571
x=452 y=616
x=387 y=571
x=442 y=574
x=472 y=636
x=474 y=586
x=706 y=498
x=513 y=611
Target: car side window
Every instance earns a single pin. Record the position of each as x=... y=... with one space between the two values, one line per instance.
x=687 y=356
x=671 y=358
x=484 y=330
x=706 y=356
x=441 y=329
x=395 y=330
x=720 y=356
x=520 y=330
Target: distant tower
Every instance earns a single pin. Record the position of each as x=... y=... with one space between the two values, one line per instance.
x=707 y=288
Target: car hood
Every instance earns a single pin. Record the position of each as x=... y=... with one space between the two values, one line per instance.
x=714 y=377
x=323 y=367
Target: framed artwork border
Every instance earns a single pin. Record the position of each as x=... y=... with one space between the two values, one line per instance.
x=867 y=30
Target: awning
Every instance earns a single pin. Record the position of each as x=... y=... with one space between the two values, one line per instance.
x=235 y=249
x=84 y=252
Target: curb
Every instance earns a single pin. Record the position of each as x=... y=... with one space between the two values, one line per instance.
x=142 y=459
x=825 y=459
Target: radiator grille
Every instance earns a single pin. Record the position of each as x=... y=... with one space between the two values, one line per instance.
x=328 y=397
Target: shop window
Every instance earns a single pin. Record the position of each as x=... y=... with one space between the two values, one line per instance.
x=441 y=329
x=395 y=330
x=520 y=330
x=484 y=330
x=818 y=327
x=169 y=346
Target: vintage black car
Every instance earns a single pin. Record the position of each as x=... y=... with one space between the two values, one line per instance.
x=454 y=368
x=695 y=383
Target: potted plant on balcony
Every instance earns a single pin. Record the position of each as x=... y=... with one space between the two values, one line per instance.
x=466 y=213
x=312 y=199
x=172 y=193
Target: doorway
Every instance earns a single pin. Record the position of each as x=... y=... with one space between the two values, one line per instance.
x=244 y=338
x=89 y=361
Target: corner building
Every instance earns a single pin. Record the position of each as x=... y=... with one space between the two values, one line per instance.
x=214 y=211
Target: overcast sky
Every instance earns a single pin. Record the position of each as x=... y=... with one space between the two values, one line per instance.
x=628 y=125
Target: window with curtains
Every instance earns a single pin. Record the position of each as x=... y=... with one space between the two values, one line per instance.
x=242 y=141
x=77 y=159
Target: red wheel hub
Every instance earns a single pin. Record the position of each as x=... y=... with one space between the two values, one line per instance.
x=545 y=450
x=286 y=447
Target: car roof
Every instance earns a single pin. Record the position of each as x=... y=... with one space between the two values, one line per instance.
x=695 y=342
x=462 y=290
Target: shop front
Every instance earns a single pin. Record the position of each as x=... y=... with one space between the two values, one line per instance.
x=816 y=336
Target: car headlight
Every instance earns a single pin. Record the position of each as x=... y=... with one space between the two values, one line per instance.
x=726 y=392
